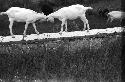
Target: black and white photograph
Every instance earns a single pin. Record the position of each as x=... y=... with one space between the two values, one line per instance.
x=62 y=41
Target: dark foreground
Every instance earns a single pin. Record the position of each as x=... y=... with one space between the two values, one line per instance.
x=84 y=59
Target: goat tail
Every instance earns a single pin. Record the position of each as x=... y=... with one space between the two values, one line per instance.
x=89 y=8
x=2 y=13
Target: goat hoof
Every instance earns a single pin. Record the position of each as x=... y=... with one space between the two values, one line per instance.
x=37 y=33
x=60 y=33
x=13 y=36
x=88 y=30
x=83 y=29
x=24 y=36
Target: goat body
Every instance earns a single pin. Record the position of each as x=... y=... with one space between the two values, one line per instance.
x=115 y=15
x=71 y=12
x=23 y=15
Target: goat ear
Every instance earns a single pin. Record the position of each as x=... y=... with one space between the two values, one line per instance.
x=41 y=12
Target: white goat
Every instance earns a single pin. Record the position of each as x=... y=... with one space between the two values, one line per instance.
x=115 y=15
x=71 y=12
x=23 y=15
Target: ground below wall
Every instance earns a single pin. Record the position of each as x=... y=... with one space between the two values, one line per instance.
x=91 y=58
